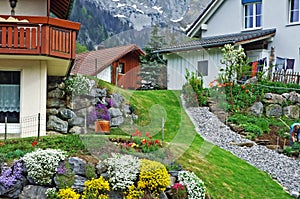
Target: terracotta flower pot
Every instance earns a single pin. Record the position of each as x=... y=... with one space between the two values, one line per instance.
x=102 y=126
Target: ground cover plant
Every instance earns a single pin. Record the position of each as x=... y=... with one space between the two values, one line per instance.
x=224 y=175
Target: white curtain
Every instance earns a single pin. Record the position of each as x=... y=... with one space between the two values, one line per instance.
x=9 y=98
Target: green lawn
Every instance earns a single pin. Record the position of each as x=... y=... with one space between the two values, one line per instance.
x=224 y=175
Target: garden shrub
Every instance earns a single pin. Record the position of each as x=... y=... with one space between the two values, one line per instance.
x=41 y=164
x=193 y=90
x=153 y=177
x=195 y=186
x=68 y=193
x=122 y=170
x=96 y=188
x=78 y=85
x=65 y=177
x=252 y=128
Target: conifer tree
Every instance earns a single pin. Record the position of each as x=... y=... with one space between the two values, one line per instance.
x=153 y=67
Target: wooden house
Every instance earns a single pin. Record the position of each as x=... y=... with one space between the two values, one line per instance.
x=118 y=65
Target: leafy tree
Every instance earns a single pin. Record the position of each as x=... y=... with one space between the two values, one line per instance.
x=153 y=67
x=80 y=48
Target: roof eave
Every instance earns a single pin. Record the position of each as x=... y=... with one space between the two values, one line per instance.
x=204 y=16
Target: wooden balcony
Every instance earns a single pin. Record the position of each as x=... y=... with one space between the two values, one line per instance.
x=46 y=36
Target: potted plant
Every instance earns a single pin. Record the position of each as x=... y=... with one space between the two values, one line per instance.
x=101 y=117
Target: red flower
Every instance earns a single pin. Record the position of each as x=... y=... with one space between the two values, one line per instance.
x=144 y=141
x=246 y=90
x=130 y=144
x=243 y=86
x=150 y=137
x=34 y=143
x=147 y=134
x=156 y=141
x=149 y=143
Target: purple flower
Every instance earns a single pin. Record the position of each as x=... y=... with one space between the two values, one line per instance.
x=100 y=112
x=61 y=169
x=10 y=175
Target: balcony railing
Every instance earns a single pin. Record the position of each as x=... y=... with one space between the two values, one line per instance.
x=39 y=36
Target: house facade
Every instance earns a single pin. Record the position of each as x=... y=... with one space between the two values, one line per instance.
x=33 y=46
x=255 y=25
x=118 y=65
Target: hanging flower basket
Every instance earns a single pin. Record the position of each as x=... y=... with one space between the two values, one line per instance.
x=102 y=126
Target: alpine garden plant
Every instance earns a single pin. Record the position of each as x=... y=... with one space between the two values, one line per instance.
x=195 y=186
x=41 y=164
x=11 y=175
x=122 y=170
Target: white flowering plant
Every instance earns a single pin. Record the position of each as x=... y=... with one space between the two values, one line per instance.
x=122 y=170
x=41 y=164
x=78 y=85
x=195 y=186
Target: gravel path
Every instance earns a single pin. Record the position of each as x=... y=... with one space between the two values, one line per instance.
x=285 y=170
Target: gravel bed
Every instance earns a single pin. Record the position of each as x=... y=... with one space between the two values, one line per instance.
x=283 y=169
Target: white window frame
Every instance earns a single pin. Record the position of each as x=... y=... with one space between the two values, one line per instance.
x=290 y=11
x=255 y=14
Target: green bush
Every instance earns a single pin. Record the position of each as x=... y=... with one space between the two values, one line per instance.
x=256 y=130
x=193 y=91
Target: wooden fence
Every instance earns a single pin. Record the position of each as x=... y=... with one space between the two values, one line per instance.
x=286 y=77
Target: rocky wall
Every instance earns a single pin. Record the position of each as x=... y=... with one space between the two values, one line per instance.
x=275 y=105
x=70 y=114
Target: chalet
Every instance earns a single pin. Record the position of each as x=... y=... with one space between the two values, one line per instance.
x=118 y=65
x=255 y=25
x=36 y=41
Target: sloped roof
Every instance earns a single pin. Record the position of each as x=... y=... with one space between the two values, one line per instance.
x=220 y=40
x=90 y=62
x=61 y=8
x=205 y=14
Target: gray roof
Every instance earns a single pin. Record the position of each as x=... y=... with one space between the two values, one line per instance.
x=221 y=40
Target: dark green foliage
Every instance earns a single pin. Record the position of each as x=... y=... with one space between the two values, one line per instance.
x=80 y=48
x=252 y=128
x=193 y=91
x=153 y=68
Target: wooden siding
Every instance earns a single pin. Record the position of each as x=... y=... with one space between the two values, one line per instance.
x=129 y=79
x=41 y=36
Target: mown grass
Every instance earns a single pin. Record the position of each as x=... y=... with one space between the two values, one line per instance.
x=224 y=175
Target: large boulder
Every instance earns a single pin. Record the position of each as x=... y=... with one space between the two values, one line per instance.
x=114 y=112
x=257 y=109
x=56 y=124
x=273 y=110
x=66 y=114
x=116 y=121
x=55 y=103
x=79 y=183
x=291 y=111
x=33 y=192
x=271 y=98
x=77 y=130
x=117 y=100
x=76 y=121
x=57 y=93
x=78 y=166
x=294 y=97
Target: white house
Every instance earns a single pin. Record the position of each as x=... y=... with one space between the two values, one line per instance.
x=33 y=46
x=255 y=25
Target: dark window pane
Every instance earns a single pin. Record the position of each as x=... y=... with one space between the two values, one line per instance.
x=203 y=68
x=258 y=9
x=294 y=16
x=258 y=21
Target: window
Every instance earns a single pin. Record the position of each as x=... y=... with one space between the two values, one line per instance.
x=9 y=96
x=252 y=15
x=121 y=68
x=202 y=68
x=294 y=11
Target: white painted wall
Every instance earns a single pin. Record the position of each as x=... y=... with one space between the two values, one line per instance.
x=25 y=7
x=33 y=89
x=179 y=62
x=105 y=74
x=229 y=19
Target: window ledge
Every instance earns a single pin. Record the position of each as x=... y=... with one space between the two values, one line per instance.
x=293 y=24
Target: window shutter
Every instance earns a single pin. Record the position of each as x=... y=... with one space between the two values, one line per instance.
x=251 y=1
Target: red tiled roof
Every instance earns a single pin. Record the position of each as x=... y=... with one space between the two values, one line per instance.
x=89 y=62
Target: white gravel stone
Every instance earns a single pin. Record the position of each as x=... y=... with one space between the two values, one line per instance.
x=283 y=169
